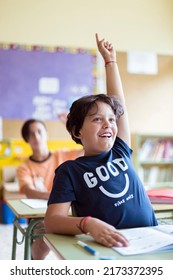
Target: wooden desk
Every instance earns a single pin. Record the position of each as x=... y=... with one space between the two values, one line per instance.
x=21 y=210
x=163 y=207
x=65 y=247
x=164 y=212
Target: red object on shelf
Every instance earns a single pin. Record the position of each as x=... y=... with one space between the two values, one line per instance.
x=164 y=195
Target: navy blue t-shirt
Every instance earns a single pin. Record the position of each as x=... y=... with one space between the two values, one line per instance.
x=104 y=186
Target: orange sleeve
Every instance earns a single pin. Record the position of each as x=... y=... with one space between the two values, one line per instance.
x=63 y=155
x=24 y=176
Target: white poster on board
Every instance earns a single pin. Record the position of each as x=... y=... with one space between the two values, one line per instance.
x=142 y=63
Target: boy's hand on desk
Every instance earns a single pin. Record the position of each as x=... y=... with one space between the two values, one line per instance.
x=105 y=234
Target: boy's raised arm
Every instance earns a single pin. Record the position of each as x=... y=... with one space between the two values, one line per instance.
x=114 y=84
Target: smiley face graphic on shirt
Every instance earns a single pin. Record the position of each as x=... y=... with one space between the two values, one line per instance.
x=104 y=172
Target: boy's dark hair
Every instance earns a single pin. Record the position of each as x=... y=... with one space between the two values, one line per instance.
x=25 y=128
x=80 y=108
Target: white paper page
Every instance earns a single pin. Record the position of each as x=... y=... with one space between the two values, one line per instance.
x=35 y=203
x=165 y=228
x=144 y=240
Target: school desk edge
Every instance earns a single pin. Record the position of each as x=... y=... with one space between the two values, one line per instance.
x=66 y=248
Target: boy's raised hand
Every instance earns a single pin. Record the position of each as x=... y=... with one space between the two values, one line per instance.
x=106 y=49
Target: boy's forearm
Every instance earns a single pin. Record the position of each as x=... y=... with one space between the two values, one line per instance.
x=62 y=225
x=113 y=81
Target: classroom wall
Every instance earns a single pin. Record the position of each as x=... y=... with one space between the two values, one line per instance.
x=129 y=24
x=149 y=98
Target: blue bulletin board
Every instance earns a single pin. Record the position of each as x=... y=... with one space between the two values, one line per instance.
x=41 y=82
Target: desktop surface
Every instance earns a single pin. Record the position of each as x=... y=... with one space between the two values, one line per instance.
x=66 y=247
x=158 y=207
x=21 y=210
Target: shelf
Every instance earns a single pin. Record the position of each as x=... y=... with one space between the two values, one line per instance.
x=159 y=184
x=153 y=159
x=153 y=162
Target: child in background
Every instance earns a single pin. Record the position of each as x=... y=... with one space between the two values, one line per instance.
x=102 y=186
x=36 y=174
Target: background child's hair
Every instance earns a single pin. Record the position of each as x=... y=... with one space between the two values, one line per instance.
x=25 y=128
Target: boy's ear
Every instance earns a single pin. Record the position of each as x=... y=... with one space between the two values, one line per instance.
x=78 y=136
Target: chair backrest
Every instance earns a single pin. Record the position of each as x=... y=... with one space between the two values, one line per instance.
x=9 y=174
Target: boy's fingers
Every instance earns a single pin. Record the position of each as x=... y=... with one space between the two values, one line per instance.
x=99 y=42
x=97 y=39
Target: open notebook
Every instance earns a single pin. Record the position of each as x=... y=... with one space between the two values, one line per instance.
x=35 y=203
x=147 y=240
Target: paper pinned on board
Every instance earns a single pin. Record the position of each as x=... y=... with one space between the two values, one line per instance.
x=142 y=63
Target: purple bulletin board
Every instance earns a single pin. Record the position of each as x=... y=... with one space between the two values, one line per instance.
x=42 y=82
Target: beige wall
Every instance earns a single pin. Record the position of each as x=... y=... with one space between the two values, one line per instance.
x=129 y=24
x=149 y=98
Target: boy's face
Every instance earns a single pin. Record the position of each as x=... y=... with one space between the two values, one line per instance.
x=37 y=136
x=99 y=130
